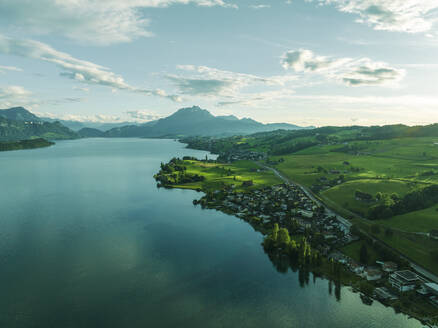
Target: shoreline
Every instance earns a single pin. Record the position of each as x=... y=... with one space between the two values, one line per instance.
x=219 y=199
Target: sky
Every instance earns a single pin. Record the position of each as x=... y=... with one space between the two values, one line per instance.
x=306 y=62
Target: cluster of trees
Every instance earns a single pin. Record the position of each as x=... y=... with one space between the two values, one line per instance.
x=390 y=205
x=25 y=144
x=175 y=172
x=363 y=196
x=290 y=148
x=370 y=246
x=279 y=240
x=20 y=130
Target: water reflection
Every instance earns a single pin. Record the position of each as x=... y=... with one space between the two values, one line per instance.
x=283 y=263
x=86 y=240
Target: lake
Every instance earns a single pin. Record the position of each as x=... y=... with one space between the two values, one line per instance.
x=87 y=240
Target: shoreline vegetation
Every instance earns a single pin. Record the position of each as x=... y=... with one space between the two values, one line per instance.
x=298 y=234
x=379 y=178
x=25 y=144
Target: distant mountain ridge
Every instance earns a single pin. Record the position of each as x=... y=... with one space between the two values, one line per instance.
x=19 y=114
x=17 y=123
x=195 y=121
x=78 y=125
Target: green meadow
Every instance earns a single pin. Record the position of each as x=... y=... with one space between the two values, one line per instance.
x=217 y=175
x=386 y=166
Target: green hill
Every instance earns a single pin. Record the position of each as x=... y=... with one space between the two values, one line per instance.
x=19 y=124
x=194 y=121
x=19 y=114
x=24 y=144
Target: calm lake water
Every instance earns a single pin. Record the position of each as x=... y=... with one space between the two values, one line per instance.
x=87 y=240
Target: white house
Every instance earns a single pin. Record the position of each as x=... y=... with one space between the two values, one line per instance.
x=404 y=280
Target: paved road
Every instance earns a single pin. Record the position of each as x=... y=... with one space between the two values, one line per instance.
x=341 y=219
x=416 y=267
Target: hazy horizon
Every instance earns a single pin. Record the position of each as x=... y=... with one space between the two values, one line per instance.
x=304 y=62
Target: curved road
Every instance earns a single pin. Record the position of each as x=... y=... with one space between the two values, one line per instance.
x=347 y=223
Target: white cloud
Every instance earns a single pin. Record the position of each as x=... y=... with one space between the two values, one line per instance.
x=96 y=118
x=83 y=89
x=138 y=116
x=13 y=91
x=306 y=61
x=143 y=115
x=261 y=6
x=13 y=95
x=93 y=21
x=264 y=98
x=9 y=68
x=73 y=68
x=352 y=72
x=412 y=16
x=212 y=82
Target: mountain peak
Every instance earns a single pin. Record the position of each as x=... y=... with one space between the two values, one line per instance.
x=193 y=109
x=192 y=112
x=18 y=114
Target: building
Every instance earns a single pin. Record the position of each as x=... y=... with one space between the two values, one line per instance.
x=389 y=266
x=306 y=214
x=373 y=274
x=404 y=280
x=432 y=288
x=383 y=293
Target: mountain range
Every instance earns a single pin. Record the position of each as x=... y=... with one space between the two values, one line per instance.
x=13 y=130
x=78 y=125
x=17 y=123
x=195 y=121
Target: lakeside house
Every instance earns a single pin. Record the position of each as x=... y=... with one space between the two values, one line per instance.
x=403 y=281
x=388 y=266
x=432 y=288
x=384 y=294
x=372 y=274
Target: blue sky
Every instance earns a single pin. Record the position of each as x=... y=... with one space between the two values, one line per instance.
x=318 y=62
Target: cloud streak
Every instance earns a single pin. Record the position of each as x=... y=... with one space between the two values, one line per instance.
x=348 y=71
x=13 y=94
x=73 y=68
x=91 y=21
x=9 y=68
x=212 y=82
x=411 y=16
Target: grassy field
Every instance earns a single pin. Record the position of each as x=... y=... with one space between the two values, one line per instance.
x=418 y=221
x=216 y=175
x=344 y=194
x=353 y=250
x=388 y=166
x=415 y=247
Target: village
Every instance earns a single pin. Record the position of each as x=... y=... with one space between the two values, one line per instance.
x=291 y=208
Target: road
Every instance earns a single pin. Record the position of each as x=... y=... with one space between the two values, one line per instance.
x=309 y=194
x=429 y=275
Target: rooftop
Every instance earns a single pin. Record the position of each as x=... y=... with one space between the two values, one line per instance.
x=432 y=286
x=407 y=275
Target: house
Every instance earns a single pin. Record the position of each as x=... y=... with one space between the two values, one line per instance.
x=432 y=288
x=383 y=293
x=404 y=280
x=305 y=213
x=248 y=183
x=356 y=268
x=389 y=266
x=363 y=196
x=372 y=274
